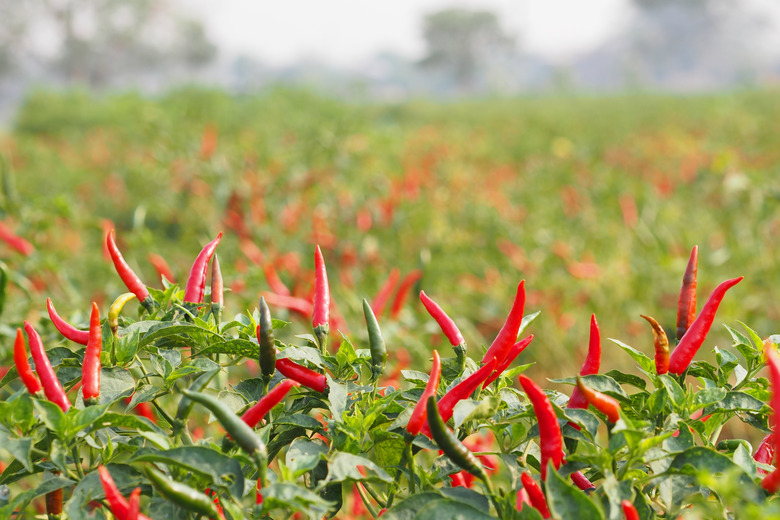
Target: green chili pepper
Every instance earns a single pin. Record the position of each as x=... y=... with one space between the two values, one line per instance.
x=375 y=341
x=182 y=494
x=265 y=337
x=450 y=445
x=186 y=404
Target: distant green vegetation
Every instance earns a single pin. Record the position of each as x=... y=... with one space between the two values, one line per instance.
x=596 y=202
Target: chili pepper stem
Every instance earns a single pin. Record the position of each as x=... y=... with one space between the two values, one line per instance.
x=411 y=464
x=321 y=332
x=396 y=480
x=365 y=500
x=460 y=354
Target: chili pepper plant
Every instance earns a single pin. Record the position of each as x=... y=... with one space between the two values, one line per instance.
x=155 y=412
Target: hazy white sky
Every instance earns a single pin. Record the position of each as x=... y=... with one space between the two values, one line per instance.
x=345 y=32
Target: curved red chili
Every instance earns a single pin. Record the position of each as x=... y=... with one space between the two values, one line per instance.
x=516 y=350
x=661 y=344
x=522 y=499
x=129 y=278
x=629 y=511
x=448 y=326
x=217 y=285
x=771 y=483
x=26 y=373
x=601 y=402
x=15 y=241
x=320 y=318
x=66 y=329
x=686 y=305
x=418 y=416
x=550 y=437
x=305 y=376
x=507 y=336
x=380 y=300
x=90 y=375
x=591 y=364
x=773 y=361
x=692 y=340
x=254 y=415
x=299 y=305
x=196 y=282
x=581 y=481
x=274 y=282
x=134 y=504
x=52 y=387
x=462 y=390
x=161 y=266
x=765 y=453
x=403 y=292
x=535 y=494
x=117 y=503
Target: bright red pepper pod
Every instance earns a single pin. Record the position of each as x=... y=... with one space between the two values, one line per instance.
x=380 y=300
x=161 y=266
x=765 y=453
x=550 y=437
x=686 y=305
x=591 y=364
x=134 y=504
x=535 y=494
x=305 y=376
x=448 y=326
x=66 y=329
x=773 y=361
x=196 y=282
x=581 y=481
x=254 y=415
x=117 y=503
x=15 y=241
x=26 y=373
x=298 y=305
x=90 y=374
x=690 y=343
x=771 y=482
x=507 y=336
x=419 y=414
x=217 y=285
x=661 y=344
x=129 y=278
x=601 y=402
x=629 y=511
x=51 y=385
x=320 y=318
x=403 y=292
x=517 y=349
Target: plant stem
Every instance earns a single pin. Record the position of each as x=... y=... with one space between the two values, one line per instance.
x=366 y=501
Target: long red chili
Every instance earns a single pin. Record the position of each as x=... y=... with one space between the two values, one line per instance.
x=380 y=300
x=118 y=504
x=90 y=375
x=419 y=413
x=550 y=437
x=581 y=481
x=661 y=344
x=196 y=282
x=765 y=453
x=307 y=377
x=591 y=364
x=403 y=292
x=274 y=282
x=129 y=278
x=629 y=511
x=254 y=415
x=773 y=360
x=507 y=336
x=601 y=402
x=462 y=390
x=217 y=285
x=161 y=266
x=52 y=387
x=66 y=329
x=26 y=373
x=692 y=340
x=134 y=504
x=15 y=241
x=299 y=305
x=535 y=494
x=320 y=318
x=686 y=305
x=516 y=350
x=448 y=326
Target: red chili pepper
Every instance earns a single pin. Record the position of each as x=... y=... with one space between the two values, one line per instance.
x=692 y=340
x=773 y=361
x=143 y=409
x=274 y=282
x=66 y=329
x=26 y=373
x=581 y=481
x=117 y=503
x=535 y=494
x=217 y=285
x=258 y=495
x=213 y=494
x=15 y=241
x=550 y=437
x=320 y=318
x=661 y=344
x=601 y=402
x=419 y=414
x=629 y=511
x=307 y=377
x=507 y=336
x=380 y=300
x=51 y=385
x=765 y=453
x=517 y=349
x=771 y=483
x=90 y=375
x=161 y=266
x=134 y=504
x=254 y=415
x=686 y=305
x=445 y=322
x=299 y=305
x=458 y=479
x=522 y=499
x=129 y=278
x=196 y=282
x=462 y=390
x=403 y=292
x=591 y=364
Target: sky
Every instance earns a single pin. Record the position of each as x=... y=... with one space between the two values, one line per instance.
x=346 y=32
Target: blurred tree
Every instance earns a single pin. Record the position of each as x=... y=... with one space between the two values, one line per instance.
x=463 y=43
x=97 y=42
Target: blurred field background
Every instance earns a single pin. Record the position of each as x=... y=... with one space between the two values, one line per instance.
x=592 y=192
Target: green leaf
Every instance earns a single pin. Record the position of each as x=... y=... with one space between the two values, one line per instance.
x=673 y=389
x=708 y=396
x=89 y=488
x=85 y=418
x=115 y=383
x=21 y=500
x=234 y=347
x=303 y=455
x=337 y=398
x=451 y=510
x=736 y=401
x=126 y=346
x=303 y=354
x=601 y=383
x=388 y=447
x=171 y=328
x=566 y=501
x=645 y=363
x=628 y=379
x=19 y=448
x=299 y=419
x=291 y=497
x=467 y=496
x=52 y=416
x=223 y=471
x=527 y=320
x=408 y=509
x=344 y=467
x=469 y=409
